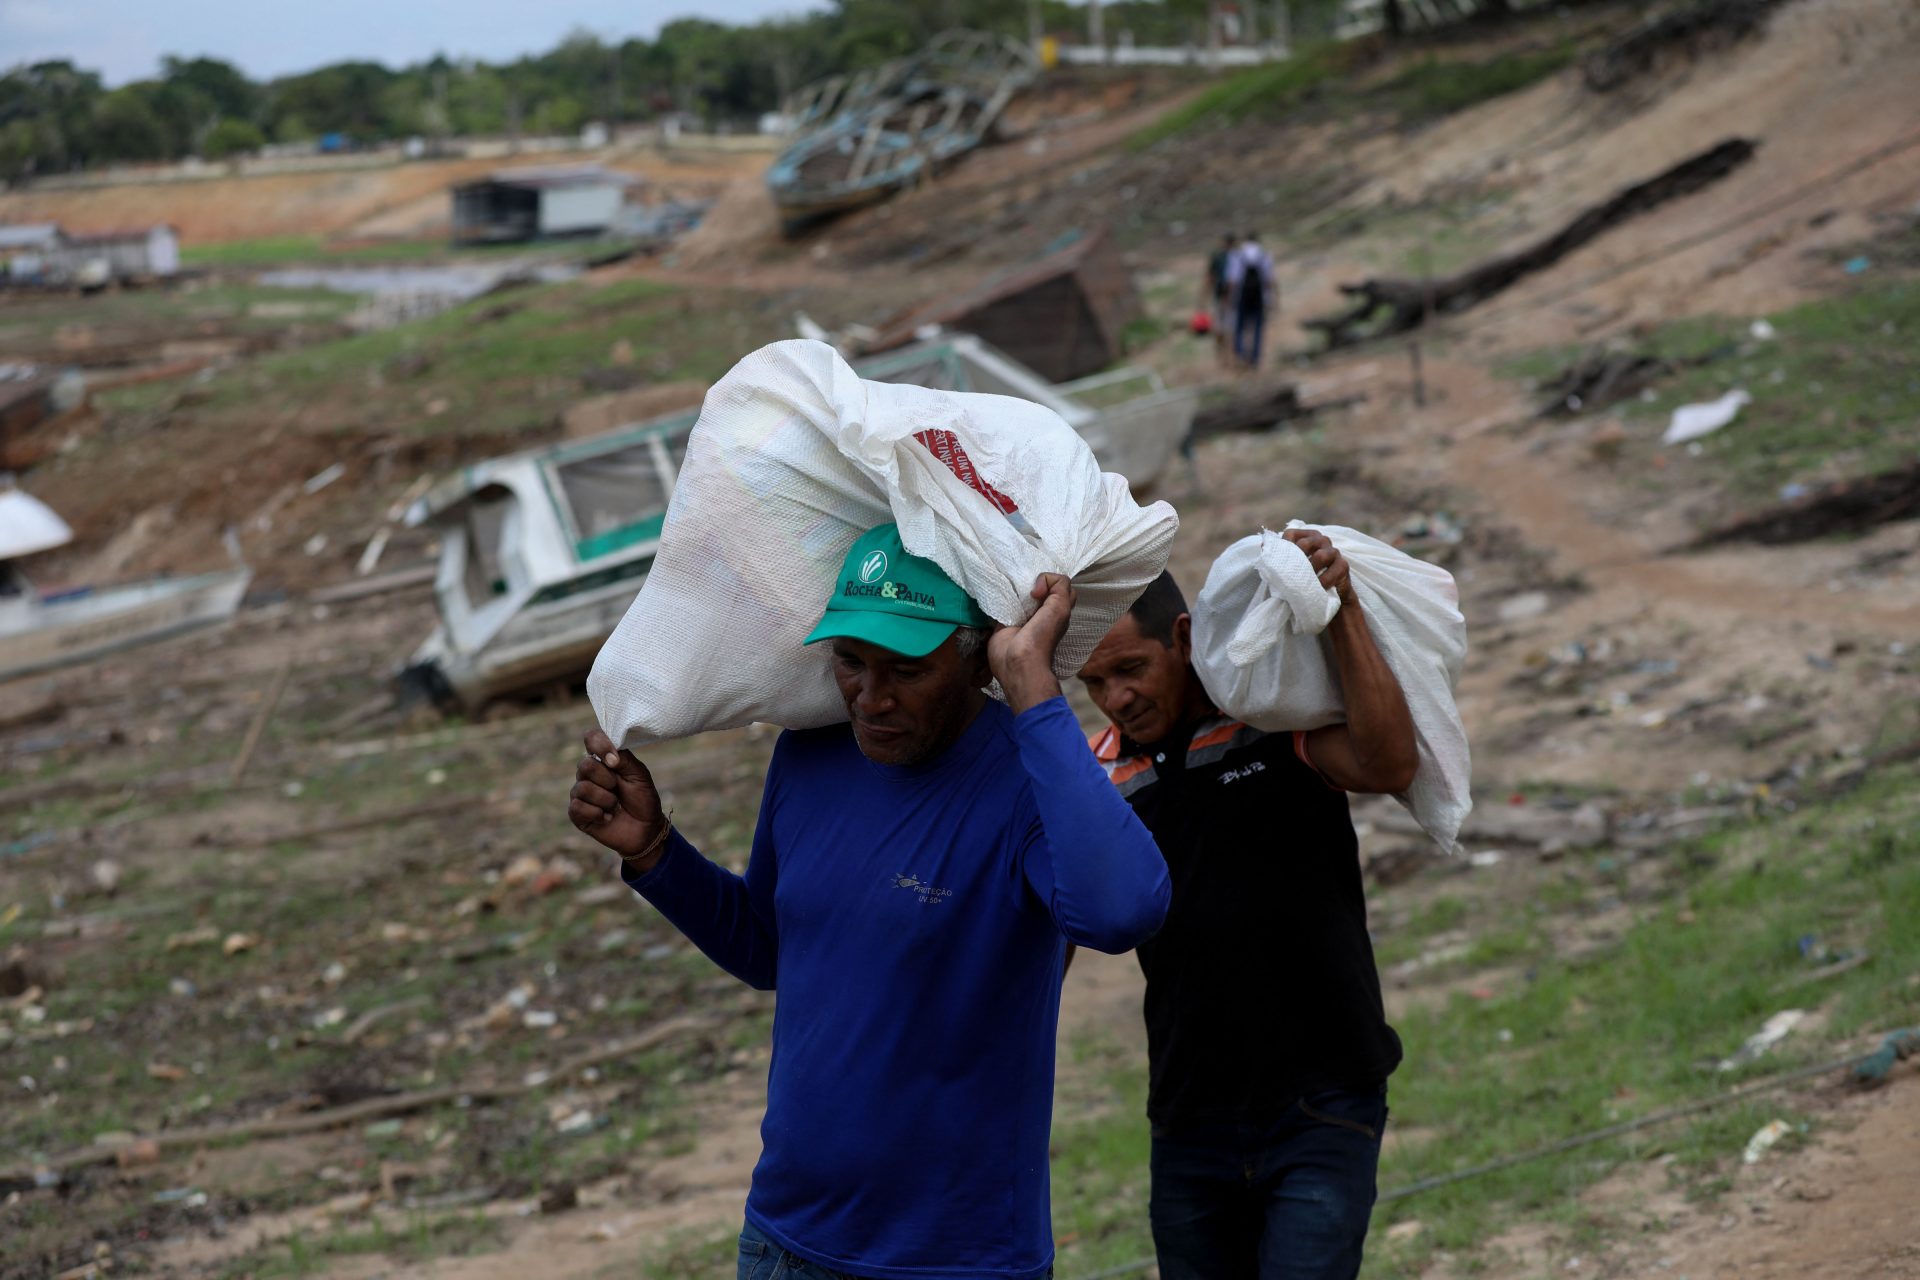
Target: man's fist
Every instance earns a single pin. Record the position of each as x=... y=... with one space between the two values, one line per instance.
x=614 y=801
x=1326 y=559
x=1021 y=656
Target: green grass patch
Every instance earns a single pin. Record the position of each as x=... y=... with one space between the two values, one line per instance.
x=1835 y=393
x=283 y=251
x=502 y=364
x=419 y=1238
x=1434 y=87
x=1583 y=1043
x=1100 y=1148
x=1260 y=91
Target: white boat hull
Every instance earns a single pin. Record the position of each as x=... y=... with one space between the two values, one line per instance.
x=62 y=631
x=539 y=646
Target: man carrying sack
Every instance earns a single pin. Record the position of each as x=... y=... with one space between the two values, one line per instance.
x=915 y=878
x=1267 y=1043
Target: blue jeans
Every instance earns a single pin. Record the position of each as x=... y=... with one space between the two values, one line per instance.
x=1248 y=326
x=762 y=1259
x=1287 y=1200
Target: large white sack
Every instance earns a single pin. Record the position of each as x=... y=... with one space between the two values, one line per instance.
x=1260 y=654
x=793 y=458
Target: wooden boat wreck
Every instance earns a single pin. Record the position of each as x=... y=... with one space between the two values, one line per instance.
x=1064 y=314
x=40 y=631
x=861 y=138
x=542 y=551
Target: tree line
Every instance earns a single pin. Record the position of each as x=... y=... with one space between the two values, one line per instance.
x=56 y=116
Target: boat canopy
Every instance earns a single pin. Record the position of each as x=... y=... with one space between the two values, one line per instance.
x=29 y=526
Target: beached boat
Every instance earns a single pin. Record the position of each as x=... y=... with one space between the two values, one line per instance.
x=39 y=631
x=862 y=138
x=542 y=551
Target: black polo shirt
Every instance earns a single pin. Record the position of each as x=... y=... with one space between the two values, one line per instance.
x=1261 y=986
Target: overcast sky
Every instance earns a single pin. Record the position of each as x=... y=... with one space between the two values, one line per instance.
x=124 y=39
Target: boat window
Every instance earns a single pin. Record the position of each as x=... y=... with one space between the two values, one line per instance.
x=612 y=491
x=488 y=514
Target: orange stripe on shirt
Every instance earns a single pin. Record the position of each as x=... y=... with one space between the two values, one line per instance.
x=1106 y=745
x=1214 y=737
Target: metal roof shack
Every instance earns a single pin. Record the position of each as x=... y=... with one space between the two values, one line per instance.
x=529 y=203
x=28 y=235
x=1063 y=315
x=46 y=254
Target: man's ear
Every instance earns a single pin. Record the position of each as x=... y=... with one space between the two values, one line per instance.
x=1183 y=637
x=982 y=669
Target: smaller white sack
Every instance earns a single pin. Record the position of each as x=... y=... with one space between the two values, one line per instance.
x=1260 y=654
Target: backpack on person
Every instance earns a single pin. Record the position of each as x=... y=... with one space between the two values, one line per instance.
x=1253 y=284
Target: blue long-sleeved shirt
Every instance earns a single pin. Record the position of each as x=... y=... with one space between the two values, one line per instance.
x=914 y=921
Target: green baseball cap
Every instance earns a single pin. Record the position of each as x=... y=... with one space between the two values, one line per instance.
x=898 y=601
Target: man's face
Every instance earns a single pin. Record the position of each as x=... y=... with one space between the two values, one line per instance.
x=1138 y=682
x=906 y=710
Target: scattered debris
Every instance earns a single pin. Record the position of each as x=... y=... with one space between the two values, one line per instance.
x=1843 y=507
x=202 y=936
x=1063 y=315
x=1688 y=32
x=1878 y=1065
x=1763 y=1141
x=1262 y=411
x=1692 y=421
x=372 y=1017
x=1599 y=380
x=268 y=705
x=1525 y=607
x=1408 y=303
x=1776 y=1029
x=237 y=943
x=324 y=478
x=560 y=1197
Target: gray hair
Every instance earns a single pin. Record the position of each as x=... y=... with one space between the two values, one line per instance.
x=969 y=642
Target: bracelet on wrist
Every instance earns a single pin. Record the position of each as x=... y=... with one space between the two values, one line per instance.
x=659 y=842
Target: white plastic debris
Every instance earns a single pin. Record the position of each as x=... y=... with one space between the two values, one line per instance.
x=324 y=478
x=1691 y=421
x=1772 y=1033
x=1762 y=1142
x=1762 y=331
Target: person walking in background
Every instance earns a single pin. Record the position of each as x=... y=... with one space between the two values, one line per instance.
x=1216 y=293
x=1254 y=293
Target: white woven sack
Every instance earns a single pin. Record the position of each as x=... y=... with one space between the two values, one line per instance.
x=1260 y=654
x=793 y=458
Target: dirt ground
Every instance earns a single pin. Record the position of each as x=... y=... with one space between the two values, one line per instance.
x=377 y=858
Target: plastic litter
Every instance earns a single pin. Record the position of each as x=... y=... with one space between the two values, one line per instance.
x=1771 y=1033
x=1763 y=1141
x=1878 y=1065
x=1260 y=654
x=1691 y=421
x=793 y=458
x=1762 y=331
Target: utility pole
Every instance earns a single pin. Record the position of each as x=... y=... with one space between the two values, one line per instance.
x=1096 y=28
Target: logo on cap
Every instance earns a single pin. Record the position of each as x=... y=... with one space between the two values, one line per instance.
x=873 y=566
